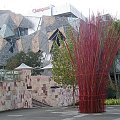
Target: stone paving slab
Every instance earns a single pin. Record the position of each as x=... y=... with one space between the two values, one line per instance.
x=61 y=113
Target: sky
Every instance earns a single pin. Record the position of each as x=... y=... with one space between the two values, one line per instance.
x=25 y=6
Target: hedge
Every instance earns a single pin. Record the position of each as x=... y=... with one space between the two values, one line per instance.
x=112 y=102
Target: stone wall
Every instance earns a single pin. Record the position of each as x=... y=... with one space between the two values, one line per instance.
x=19 y=93
x=47 y=91
x=14 y=95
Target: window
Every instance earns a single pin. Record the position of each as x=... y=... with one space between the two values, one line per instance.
x=21 y=31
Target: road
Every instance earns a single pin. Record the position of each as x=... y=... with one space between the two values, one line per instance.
x=62 y=113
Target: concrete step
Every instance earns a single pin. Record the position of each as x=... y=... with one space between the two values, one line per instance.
x=36 y=103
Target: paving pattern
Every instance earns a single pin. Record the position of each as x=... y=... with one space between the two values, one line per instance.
x=61 y=113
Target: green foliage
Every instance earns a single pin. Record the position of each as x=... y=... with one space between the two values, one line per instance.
x=63 y=70
x=112 y=102
x=31 y=59
x=111 y=92
x=116 y=25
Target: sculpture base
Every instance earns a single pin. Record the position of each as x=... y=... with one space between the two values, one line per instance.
x=92 y=106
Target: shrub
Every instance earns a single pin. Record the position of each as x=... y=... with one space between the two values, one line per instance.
x=112 y=102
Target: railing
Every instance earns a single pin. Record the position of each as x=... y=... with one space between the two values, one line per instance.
x=9 y=75
x=39 y=102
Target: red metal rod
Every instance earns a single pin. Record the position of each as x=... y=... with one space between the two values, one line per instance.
x=94 y=52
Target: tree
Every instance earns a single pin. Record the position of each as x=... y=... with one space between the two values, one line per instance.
x=114 y=76
x=63 y=69
x=31 y=59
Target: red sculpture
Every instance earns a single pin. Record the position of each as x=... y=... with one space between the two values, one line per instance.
x=94 y=51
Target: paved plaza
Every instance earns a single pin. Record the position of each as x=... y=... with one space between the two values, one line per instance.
x=61 y=113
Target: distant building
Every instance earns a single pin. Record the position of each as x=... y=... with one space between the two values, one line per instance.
x=12 y=28
x=65 y=10
x=23 y=33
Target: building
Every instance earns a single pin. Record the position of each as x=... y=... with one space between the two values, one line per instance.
x=23 y=33
x=12 y=28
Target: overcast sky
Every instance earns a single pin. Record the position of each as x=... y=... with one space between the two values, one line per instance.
x=25 y=6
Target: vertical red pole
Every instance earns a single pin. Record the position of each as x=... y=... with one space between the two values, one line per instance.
x=92 y=59
x=94 y=53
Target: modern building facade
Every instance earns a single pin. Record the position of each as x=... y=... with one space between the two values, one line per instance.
x=23 y=33
x=12 y=28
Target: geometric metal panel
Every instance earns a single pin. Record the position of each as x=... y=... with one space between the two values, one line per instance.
x=6 y=31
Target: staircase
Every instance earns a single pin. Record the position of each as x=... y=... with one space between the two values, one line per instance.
x=36 y=104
